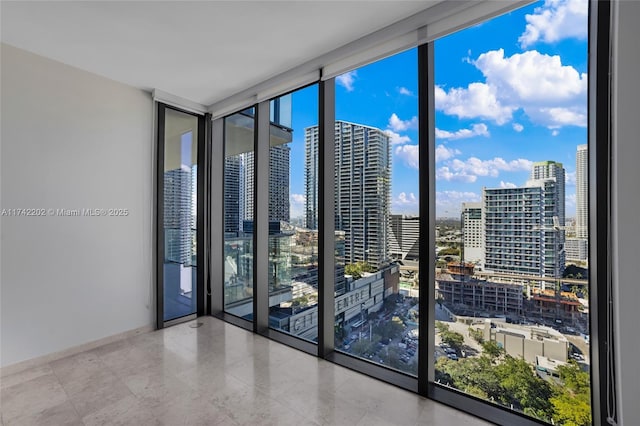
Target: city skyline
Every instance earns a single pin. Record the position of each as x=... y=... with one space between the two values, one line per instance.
x=490 y=126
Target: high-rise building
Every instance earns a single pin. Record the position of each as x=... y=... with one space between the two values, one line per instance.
x=232 y=194
x=552 y=170
x=246 y=193
x=577 y=249
x=178 y=215
x=582 y=192
x=404 y=238
x=279 y=165
x=311 y=167
x=362 y=190
x=472 y=235
x=522 y=231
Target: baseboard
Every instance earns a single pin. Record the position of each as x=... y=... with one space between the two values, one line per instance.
x=41 y=360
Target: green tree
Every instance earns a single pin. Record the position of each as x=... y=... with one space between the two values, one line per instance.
x=391 y=329
x=449 y=251
x=471 y=375
x=572 y=399
x=492 y=349
x=442 y=327
x=453 y=339
x=523 y=388
x=356 y=269
x=476 y=334
x=353 y=270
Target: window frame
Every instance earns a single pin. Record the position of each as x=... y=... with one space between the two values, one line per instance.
x=599 y=137
x=203 y=197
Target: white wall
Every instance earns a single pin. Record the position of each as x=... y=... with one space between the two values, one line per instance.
x=626 y=220
x=72 y=140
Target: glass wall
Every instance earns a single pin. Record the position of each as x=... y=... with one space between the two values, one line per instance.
x=180 y=214
x=511 y=285
x=376 y=212
x=238 y=213
x=293 y=240
x=512 y=316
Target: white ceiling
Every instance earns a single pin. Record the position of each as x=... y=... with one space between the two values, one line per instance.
x=203 y=51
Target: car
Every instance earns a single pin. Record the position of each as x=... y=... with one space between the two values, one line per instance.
x=453 y=357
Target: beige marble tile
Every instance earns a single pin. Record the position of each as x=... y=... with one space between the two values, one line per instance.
x=125 y=412
x=206 y=377
x=191 y=409
x=386 y=401
x=436 y=414
x=95 y=392
x=371 y=419
x=217 y=374
x=155 y=388
x=24 y=376
x=271 y=377
x=320 y=404
x=78 y=368
x=247 y=405
x=59 y=415
x=31 y=397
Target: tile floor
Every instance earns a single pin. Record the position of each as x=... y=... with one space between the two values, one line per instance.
x=217 y=374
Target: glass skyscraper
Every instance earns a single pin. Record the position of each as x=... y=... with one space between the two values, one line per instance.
x=362 y=190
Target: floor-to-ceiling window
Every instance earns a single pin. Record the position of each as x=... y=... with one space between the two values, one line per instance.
x=238 y=207
x=512 y=271
x=376 y=212
x=506 y=252
x=293 y=228
x=178 y=214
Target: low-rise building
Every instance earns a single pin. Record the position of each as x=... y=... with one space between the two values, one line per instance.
x=457 y=287
x=528 y=342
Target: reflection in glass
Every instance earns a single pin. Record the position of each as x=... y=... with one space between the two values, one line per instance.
x=238 y=213
x=293 y=240
x=179 y=213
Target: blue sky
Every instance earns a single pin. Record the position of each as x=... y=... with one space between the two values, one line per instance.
x=509 y=92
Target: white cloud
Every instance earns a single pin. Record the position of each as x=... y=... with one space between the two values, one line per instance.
x=518 y=127
x=405 y=91
x=555 y=132
x=507 y=185
x=550 y=93
x=298 y=198
x=479 y=129
x=532 y=78
x=396 y=138
x=570 y=178
x=296 y=204
x=570 y=200
x=555 y=118
x=556 y=20
x=444 y=153
x=407 y=199
x=398 y=125
x=409 y=154
x=347 y=79
x=478 y=100
x=469 y=170
x=405 y=203
x=445 y=173
x=449 y=203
